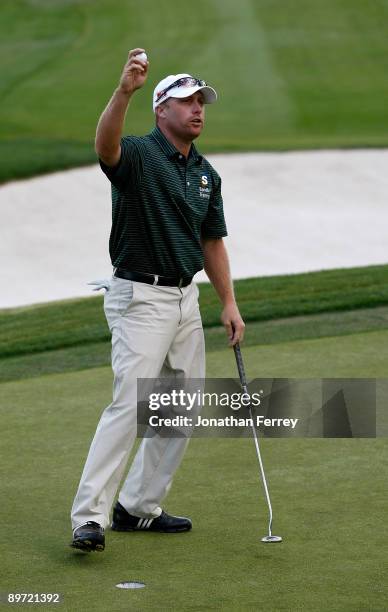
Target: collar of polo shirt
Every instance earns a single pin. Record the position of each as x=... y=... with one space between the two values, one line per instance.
x=169 y=148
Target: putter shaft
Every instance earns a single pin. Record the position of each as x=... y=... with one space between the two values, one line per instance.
x=243 y=381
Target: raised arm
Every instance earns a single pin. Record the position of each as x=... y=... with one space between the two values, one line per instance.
x=111 y=122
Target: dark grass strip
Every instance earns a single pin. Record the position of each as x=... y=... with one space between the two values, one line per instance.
x=78 y=322
x=97 y=354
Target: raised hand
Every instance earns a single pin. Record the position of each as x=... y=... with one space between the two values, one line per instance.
x=134 y=72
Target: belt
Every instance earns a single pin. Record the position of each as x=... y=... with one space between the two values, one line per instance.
x=152 y=279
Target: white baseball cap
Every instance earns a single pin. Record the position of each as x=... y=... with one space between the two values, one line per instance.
x=182 y=86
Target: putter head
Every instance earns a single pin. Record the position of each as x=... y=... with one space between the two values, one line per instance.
x=269 y=539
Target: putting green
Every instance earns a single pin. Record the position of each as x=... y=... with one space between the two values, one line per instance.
x=356 y=355
x=328 y=498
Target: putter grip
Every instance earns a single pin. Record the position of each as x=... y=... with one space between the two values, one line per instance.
x=240 y=364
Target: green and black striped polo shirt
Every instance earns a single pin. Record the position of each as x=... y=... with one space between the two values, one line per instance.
x=162 y=204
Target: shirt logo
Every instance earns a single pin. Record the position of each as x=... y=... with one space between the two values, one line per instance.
x=204 y=191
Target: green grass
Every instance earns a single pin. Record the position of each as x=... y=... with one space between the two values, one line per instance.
x=298 y=75
x=325 y=509
x=79 y=322
x=363 y=355
x=331 y=518
x=260 y=333
x=72 y=334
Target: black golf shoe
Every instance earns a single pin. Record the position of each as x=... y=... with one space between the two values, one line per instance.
x=165 y=523
x=89 y=537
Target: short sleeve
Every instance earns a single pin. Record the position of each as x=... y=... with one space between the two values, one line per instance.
x=214 y=225
x=128 y=169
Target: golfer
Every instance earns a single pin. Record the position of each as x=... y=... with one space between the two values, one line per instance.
x=167 y=224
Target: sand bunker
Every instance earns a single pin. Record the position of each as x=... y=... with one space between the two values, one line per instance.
x=285 y=212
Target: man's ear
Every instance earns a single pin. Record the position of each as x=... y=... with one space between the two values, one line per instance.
x=161 y=110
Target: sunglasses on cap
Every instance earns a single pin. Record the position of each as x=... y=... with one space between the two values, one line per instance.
x=182 y=82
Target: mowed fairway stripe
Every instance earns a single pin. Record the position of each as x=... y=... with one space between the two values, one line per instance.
x=254 y=85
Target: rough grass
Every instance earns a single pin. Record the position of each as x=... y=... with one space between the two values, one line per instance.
x=79 y=322
x=260 y=333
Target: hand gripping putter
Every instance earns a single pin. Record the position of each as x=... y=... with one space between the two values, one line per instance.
x=240 y=365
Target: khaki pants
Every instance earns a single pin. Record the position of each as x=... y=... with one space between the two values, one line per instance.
x=156 y=331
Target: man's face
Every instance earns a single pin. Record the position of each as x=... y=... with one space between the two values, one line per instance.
x=184 y=117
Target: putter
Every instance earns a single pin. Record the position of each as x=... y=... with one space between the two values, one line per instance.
x=240 y=365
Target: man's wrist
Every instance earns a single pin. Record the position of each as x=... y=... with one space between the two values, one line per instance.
x=123 y=92
x=228 y=301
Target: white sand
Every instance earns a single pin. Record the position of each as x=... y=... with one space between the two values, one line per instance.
x=286 y=213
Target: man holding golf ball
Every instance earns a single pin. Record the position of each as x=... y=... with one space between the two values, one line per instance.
x=167 y=224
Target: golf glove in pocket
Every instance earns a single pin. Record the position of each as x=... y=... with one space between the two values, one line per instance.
x=100 y=284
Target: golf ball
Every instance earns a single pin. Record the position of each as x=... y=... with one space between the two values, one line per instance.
x=142 y=57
